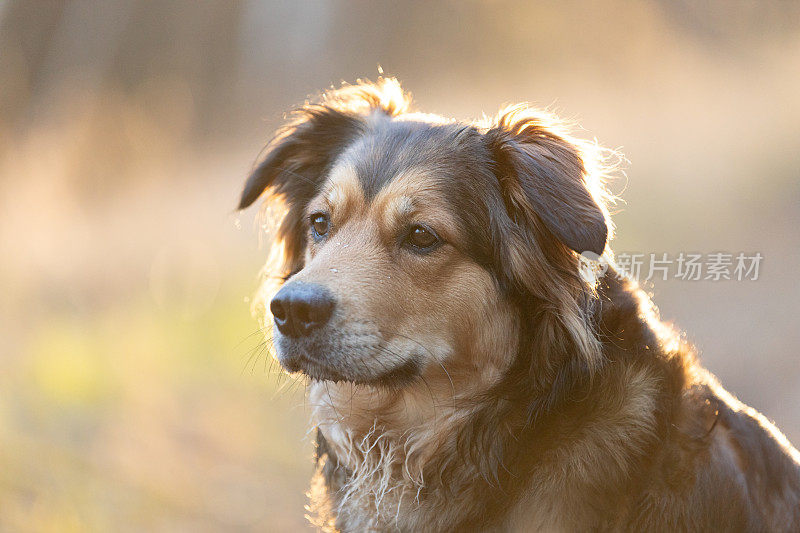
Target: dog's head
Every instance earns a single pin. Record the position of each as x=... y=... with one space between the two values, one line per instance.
x=412 y=242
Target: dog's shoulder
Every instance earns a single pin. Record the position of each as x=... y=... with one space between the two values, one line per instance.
x=756 y=456
x=722 y=467
x=718 y=462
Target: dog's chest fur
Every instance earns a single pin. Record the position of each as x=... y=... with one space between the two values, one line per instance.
x=373 y=479
x=419 y=479
x=653 y=441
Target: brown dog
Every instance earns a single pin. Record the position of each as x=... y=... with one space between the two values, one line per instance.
x=467 y=370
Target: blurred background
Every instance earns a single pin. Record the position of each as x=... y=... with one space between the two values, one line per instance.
x=134 y=392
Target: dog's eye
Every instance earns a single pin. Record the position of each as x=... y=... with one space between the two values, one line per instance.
x=421 y=238
x=320 y=225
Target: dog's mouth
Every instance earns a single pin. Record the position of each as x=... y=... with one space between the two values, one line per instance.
x=396 y=377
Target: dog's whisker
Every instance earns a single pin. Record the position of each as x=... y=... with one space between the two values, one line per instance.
x=434 y=358
x=252 y=353
x=259 y=331
x=332 y=404
x=433 y=400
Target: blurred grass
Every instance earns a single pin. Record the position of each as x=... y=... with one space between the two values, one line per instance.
x=137 y=419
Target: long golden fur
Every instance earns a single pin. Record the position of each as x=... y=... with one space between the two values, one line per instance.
x=467 y=368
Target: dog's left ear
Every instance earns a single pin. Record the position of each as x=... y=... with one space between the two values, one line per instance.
x=542 y=175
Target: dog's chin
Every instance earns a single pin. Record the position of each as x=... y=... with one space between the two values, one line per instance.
x=396 y=377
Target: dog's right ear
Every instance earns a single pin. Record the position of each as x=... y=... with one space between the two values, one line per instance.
x=294 y=168
x=301 y=152
x=297 y=160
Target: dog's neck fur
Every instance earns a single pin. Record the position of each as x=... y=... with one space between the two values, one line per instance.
x=381 y=471
x=385 y=445
x=422 y=458
x=380 y=460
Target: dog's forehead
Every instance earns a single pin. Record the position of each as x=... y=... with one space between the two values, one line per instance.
x=390 y=149
x=410 y=194
x=402 y=172
x=389 y=152
x=395 y=169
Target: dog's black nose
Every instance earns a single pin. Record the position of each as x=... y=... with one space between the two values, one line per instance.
x=300 y=308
